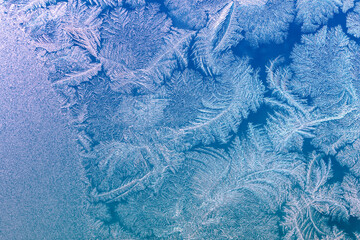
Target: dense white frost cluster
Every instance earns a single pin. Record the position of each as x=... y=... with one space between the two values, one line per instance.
x=353 y=21
x=187 y=133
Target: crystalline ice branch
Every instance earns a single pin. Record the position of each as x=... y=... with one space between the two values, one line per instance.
x=353 y=21
x=325 y=70
x=221 y=33
x=309 y=209
x=141 y=61
x=71 y=67
x=250 y=172
x=237 y=92
x=313 y=14
x=250 y=167
x=322 y=67
x=347 y=4
x=82 y=24
x=293 y=120
x=351 y=186
x=35 y=4
x=265 y=21
x=44 y=27
x=116 y=3
x=116 y=169
x=349 y=157
x=193 y=14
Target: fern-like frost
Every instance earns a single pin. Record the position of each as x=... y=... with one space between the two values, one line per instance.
x=325 y=67
x=251 y=175
x=237 y=93
x=313 y=14
x=142 y=61
x=353 y=21
x=250 y=167
x=351 y=186
x=347 y=4
x=116 y=3
x=309 y=209
x=193 y=14
x=221 y=33
x=349 y=157
x=265 y=22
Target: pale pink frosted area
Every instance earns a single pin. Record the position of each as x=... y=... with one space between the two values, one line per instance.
x=40 y=191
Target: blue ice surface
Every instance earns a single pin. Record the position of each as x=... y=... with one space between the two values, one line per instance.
x=194 y=122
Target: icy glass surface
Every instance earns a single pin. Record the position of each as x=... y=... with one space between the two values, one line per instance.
x=180 y=119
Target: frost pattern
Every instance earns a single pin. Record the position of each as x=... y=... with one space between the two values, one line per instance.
x=223 y=110
x=327 y=49
x=349 y=157
x=294 y=120
x=310 y=208
x=115 y=3
x=251 y=167
x=221 y=33
x=313 y=14
x=353 y=21
x=260 y=21
x=116 y=169
x=347 y=4
x=193 y=13
x=324 y=70
x=145 y=60
x=266 y=23
x=165 y=102
x=351 y=188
